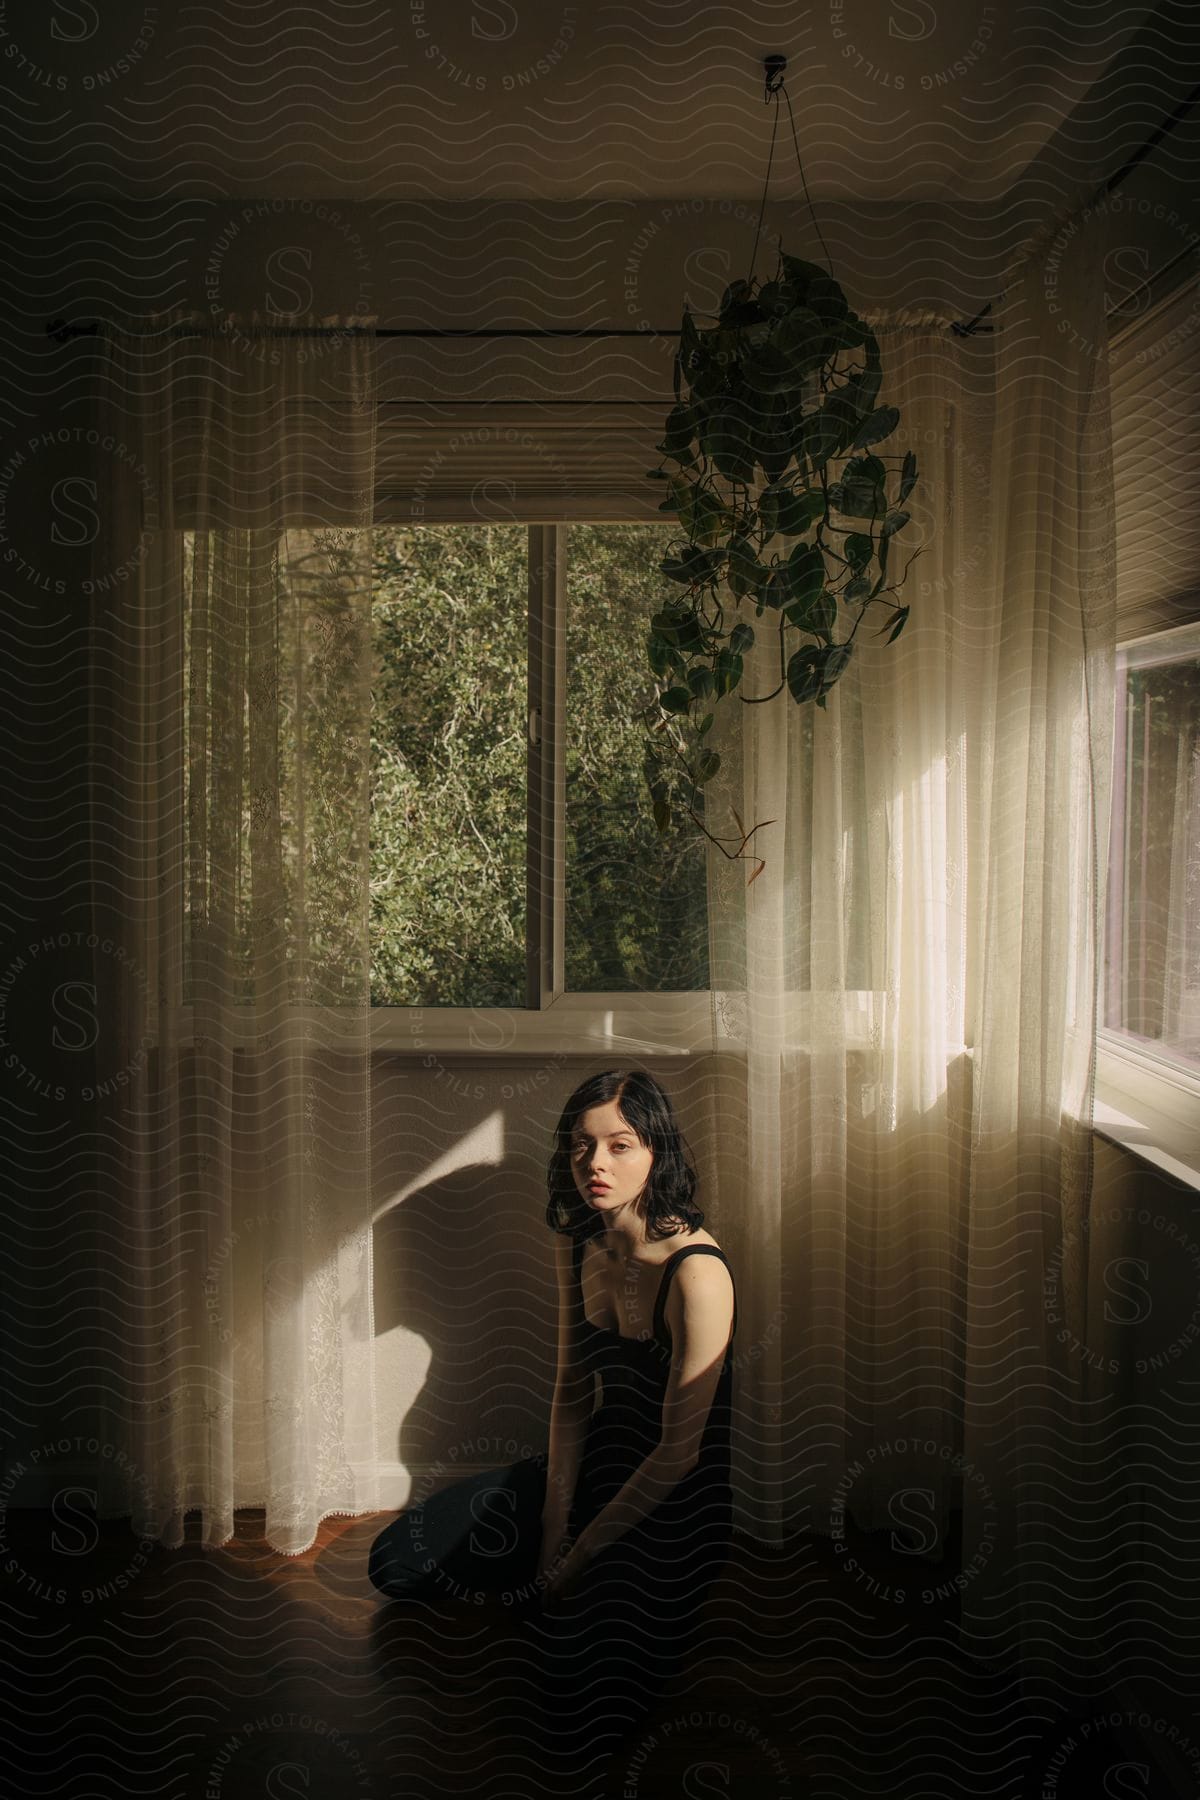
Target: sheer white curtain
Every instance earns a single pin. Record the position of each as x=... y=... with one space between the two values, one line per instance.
x=904 y=1000
x=231 y=741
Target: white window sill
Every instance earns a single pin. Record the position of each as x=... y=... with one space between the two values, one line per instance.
x=629 y=1024
x=1151 y=1111
x=589 y=1024
x=572 y=1025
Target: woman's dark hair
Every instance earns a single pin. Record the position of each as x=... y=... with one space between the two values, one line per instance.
x=666 y=1202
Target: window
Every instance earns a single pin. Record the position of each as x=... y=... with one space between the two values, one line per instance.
x=1148 y=1047
x=461 y=856
x=514 y=859
x=1152 y=935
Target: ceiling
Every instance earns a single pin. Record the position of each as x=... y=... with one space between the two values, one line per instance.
x=558 y=99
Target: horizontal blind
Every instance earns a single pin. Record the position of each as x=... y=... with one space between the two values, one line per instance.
x=1155 y=369
x=535 y=430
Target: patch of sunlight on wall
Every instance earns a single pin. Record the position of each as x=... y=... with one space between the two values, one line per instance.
x=483 y=1145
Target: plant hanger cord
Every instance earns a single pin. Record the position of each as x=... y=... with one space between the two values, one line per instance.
x=776 y=85
x=804 y=182
x=762 y=205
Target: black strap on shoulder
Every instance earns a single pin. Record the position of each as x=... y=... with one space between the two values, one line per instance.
x=673 y=1262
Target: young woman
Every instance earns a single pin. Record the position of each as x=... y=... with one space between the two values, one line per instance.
x=630 y=1517
x=638 y=1513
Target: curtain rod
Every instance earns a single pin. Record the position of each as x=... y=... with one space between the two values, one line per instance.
x=59 y=329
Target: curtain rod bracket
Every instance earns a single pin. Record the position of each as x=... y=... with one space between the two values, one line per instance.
x=972 y=326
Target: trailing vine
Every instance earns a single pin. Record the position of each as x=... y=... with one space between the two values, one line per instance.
x=778 y=393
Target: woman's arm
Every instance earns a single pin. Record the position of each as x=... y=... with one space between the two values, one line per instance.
x=574 y=1399
x=700 y=1317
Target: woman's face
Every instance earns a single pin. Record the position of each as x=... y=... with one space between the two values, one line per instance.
x=606 y=1151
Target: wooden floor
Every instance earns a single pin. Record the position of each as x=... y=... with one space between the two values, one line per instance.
x=224 y=1674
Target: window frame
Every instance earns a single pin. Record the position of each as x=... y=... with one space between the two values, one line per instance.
x=1144 y=1101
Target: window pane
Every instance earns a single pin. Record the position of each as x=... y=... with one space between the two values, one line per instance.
x=1152 y=986
x=636 y=907
x=448 y=787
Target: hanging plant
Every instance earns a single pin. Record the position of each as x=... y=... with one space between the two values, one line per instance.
x=773 y=438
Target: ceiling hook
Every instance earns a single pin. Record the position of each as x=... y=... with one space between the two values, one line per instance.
x=773 y=68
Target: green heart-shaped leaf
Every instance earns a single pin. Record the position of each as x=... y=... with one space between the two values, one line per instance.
x=805 y=573
x=908 y=477
x=877 y=425
x=804 y=672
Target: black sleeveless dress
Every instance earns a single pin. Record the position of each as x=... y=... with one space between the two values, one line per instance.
x=627 y=1426
x=630 y=1622
x=603 y=1654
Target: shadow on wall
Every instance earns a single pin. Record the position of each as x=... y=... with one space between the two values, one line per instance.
x=468 y=1267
